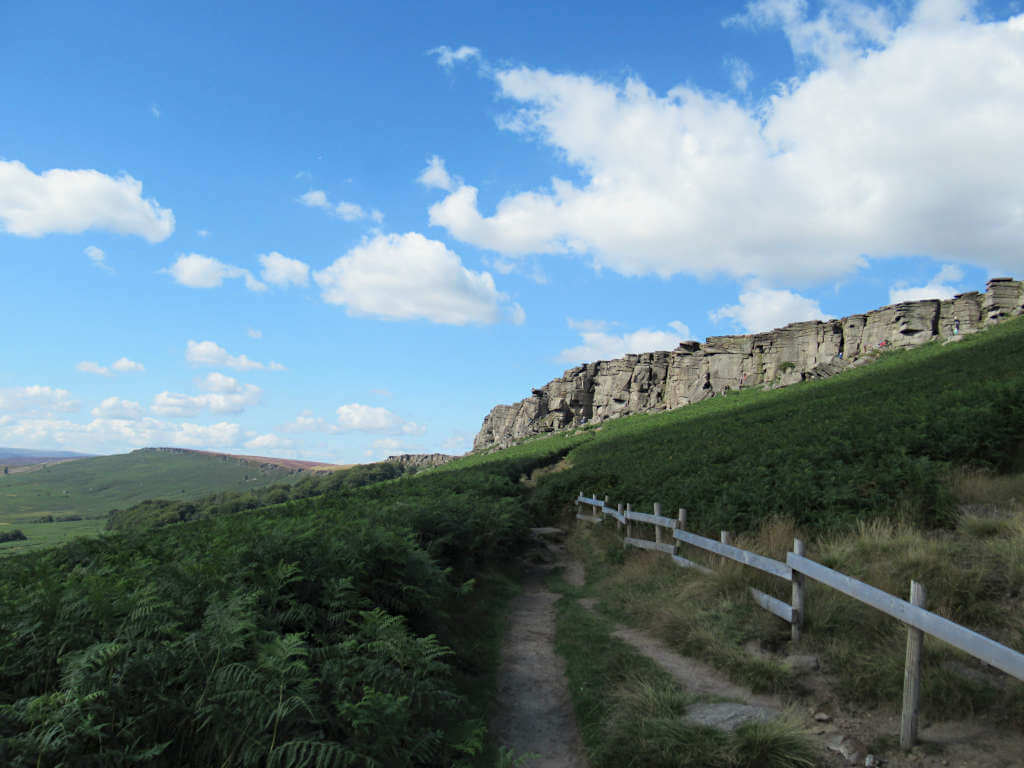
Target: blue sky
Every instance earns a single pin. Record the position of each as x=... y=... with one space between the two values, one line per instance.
x=338 y=231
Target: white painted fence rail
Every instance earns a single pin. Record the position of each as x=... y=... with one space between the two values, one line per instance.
x=796 y=567
x=968 y=641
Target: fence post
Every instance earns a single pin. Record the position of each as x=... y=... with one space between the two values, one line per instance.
x=657 y=528
x=629 y=524
x=606 y=504
x=723 y=537
x=798 y=596
x=682 y=518
x=912 y=674
x=578 y=506
x=619 y=526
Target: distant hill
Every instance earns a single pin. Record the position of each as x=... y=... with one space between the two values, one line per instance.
x=26 y=457
x=91 y=487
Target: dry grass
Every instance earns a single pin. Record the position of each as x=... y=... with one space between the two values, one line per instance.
x=974 y=575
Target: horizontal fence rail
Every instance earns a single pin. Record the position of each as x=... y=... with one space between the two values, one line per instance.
x=968 y=641
x=794 y=570
x=760 y=562
x=643 y=517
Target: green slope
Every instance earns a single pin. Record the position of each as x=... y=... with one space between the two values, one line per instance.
x=93 y=487
x=878 y=440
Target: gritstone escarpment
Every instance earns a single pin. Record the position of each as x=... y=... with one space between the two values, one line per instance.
x=659 y=381
x=421 y=460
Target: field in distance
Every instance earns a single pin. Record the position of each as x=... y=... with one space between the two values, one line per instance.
x=89 y=488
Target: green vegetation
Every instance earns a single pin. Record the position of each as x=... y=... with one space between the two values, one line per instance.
x=974 y=577
x=352 y=618
x=873 y=442
x=152 y=513
x=93 y=487
x=355 y=628
x=630 y=712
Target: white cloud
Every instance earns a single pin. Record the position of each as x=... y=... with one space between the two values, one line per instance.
x=203 y=232
x=221 y=435
x=281 y=271
x=197 y=271
x=218 y=382
x=116 y=408
x=317 y=198
x=59 y=200
x=939 y=287
x=226 y=396
x=36 y=398
x=435 y=175
x=597 y=344
x=154 y=110
x=115 y=432
x=447 y=57
x=124 y=365
x=366 y=418
x=268 y=441
x=255 y=333
x=407 y=277
x=355 y=417
x=175 y=404
x=307 y=422
x=88 y=366
x=97 y=257
x=899 y=139
x=763 y=309
x=740 y=73
x=211 y=353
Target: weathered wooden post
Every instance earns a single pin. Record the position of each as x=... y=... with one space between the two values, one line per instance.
x=657 y=528
x=629 y=524
x=798 y=595
x=912 y=674
x=679 y=526
x=620 y=525
x=682 y=519
x=606 y=504
x=723 y=537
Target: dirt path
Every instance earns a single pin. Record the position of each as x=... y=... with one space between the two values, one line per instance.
x=534 y=711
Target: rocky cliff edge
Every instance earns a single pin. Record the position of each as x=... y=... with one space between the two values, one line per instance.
x=659 y=381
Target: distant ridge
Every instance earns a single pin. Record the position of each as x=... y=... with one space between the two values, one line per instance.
x=33 y=453
x=261 y=461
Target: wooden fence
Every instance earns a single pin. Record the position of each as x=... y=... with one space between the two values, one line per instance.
x=798 y=567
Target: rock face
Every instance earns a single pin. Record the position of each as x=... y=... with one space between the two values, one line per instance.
x=421 y=460
x=658 y=381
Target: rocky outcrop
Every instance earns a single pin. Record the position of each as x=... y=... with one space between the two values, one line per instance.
x=419 y=461
x=657 y=381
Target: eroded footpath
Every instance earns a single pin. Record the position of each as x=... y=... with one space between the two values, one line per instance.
x=534 y=713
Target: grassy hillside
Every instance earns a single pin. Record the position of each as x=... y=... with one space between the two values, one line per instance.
x=44 y=503
x=357 y=626
x=91 y=487
x=875 y=441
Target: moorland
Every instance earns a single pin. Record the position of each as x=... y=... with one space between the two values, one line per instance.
x=358 y=622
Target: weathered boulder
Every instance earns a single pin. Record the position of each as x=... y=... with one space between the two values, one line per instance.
x=656 y=381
